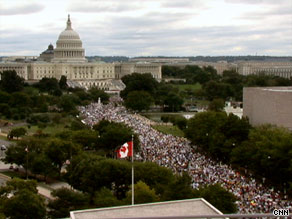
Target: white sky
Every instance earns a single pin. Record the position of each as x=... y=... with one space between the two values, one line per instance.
x=150 y=27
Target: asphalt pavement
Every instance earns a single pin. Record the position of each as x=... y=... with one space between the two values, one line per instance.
x=4 y=166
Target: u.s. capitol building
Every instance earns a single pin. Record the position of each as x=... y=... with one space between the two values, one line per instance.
x=68 y=59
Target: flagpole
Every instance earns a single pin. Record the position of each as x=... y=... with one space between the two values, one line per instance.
x=132 y=169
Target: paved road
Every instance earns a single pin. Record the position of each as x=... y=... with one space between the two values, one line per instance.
x=3 y=166
x=5 y=142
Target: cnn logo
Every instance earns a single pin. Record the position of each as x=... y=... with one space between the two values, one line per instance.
x=281 y=212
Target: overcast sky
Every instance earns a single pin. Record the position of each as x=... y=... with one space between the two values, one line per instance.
x=150 y=27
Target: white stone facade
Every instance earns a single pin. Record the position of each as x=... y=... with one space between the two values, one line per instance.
x=68 y=59
x=282 y=69
x=123 y=69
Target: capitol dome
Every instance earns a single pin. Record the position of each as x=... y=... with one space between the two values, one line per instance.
x=69 y=46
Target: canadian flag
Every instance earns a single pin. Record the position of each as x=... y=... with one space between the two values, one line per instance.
x=126 y=150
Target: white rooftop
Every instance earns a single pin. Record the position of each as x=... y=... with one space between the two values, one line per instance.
x=189 y=207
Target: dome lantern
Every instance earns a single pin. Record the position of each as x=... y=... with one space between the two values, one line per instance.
x=69 y=27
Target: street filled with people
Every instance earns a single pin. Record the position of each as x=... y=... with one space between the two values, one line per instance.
x=178 y=154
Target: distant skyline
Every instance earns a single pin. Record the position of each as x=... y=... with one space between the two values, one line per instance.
x=150 y=27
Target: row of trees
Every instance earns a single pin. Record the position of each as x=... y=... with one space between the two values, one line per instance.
x=46 y=155
x=142 y=91
x=192 y=73
x=100 y=180
x=265 y=151
x=21 y=101
x=20 y=199
x=226 y=86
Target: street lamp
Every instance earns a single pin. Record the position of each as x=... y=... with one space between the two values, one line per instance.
x=26 y=149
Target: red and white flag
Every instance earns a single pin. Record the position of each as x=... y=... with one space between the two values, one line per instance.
x=126 y=150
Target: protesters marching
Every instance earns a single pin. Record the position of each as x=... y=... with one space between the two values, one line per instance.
x=178 y=154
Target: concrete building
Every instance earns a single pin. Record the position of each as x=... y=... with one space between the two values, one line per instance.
x=122 y=69
x=68 y=59
x=282 y=69
x=188 y=207
x=268 y=105
x=160 y=60
x=219 y=66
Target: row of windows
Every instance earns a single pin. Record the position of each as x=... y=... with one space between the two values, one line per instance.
x=147 y=67
x=18 y=70
x=91 y=71
x=44 y=71
x=42 y=76
x=273 y=70
x=69 y=54
x=87 y=75
x=47 y=67
x=11 y=67
x=71 y=45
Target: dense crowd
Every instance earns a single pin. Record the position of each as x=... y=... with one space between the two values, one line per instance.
x=178 y=154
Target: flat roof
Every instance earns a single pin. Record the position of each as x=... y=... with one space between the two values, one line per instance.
x=274 y=89
x=189 y=207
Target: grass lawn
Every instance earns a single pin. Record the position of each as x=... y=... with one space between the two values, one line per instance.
x=2 y=137
x=169 y=129
x=183 y=87
x=50 y=129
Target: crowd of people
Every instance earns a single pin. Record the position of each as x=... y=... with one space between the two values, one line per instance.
x=178 y=154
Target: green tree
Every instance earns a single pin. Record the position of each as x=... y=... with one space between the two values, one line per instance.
x=216 y=105
x=29 y=153
x=11 y=82
x=63 y=82
x=84 y=97
x=25 y=205
x=97 y=93
x=105 y=198
x=78 y=125
x=4 y=97
x=89 y=173
x=47 y=84
x=19 y=99
x=112 y=135
x=173 y=101
x=87 y=138
x=179 y=189
x=59 y=151
x=219 y=197
x=143 y=194
x=155 y=176
x=179 y=121
x=267 y=153
x=68 y=102
x=215 y=90
x=66 y=200
x=139 y=82
x=41 y=164
x=5 y=110
x=20 y=199
x=138 y=100
x=17 y=132
x=217 y=133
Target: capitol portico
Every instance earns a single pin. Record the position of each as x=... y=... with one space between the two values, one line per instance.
x=68 y=59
